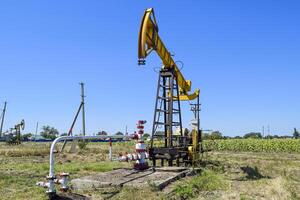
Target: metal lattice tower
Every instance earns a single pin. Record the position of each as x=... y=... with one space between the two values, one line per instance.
x=167 y=114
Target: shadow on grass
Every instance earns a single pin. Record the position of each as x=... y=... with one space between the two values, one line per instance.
x=210 y=163
x=68 y=196
x=214 y=165
x=251 y=174
x=111 y=194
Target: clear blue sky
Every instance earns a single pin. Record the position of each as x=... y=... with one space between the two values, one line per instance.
x=243 y=55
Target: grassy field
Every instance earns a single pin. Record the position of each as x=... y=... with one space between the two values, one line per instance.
x=225 y=175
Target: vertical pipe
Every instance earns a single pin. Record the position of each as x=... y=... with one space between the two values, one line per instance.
x=179 y=108
x=198 y=119
x=110 y=149
x=165 y=97
x=170 y=110
x=170 y=115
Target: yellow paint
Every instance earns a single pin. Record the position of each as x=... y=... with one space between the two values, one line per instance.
x=149 y=40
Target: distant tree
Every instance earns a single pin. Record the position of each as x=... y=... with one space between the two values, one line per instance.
x=146 y=136
x=237 y=137
x=269 y=137
x=205 y=136
x=216 y=135
x=212 y=136
x=159 y=133
x=253 y=135
x=186 y=132
x=64 y=134
x=102 y=133
x=49 y=132
x=26 y=136
x=119 y=133
x=82 y=144
x=296 y=134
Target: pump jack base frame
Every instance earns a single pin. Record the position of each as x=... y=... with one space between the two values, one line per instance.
x=141 y=166
x=179 y=154
x=167 y=113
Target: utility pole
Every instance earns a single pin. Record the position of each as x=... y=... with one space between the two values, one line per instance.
x=83 y=112
x=36 y=129
x=263 y=131
x=268 y=130
x=2 y=118
x=195 y=108
x=81 y=108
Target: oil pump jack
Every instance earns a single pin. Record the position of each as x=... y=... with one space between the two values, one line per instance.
x=14 y=138
x=172 y=88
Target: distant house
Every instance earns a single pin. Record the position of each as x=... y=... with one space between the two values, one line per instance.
x=159 y=133
x=38 y=138
x=102 y=133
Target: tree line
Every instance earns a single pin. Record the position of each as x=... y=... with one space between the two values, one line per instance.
x=256 y=135
x=49 y=132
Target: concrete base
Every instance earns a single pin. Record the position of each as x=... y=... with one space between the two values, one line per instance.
x=160 y=178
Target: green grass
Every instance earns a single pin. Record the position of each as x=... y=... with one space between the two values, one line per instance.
x=23 y=165
x=138 y=194
x=25 y=149
x=206 y=181
x=254 y=145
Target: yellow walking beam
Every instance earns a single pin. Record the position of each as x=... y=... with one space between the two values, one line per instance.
x=149 y=40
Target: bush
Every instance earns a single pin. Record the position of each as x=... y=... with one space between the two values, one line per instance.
x=49 y=132
x=215 y=135
x=82 y=144
x=253 y=135
x=296 y=134
x=25 y=137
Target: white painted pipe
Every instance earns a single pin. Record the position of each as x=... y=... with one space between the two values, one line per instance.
x=110 y=153
x=51 y=170
x=110 y=150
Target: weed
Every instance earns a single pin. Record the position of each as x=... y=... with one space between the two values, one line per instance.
x=207 y=181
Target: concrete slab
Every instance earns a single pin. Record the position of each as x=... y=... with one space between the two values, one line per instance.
x=129 y=177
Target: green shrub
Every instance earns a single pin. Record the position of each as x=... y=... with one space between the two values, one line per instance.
x=82 y=144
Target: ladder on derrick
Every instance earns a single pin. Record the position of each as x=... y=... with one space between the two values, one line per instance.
x=167 y=114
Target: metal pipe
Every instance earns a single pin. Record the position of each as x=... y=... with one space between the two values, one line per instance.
x=198 y=119
x=51 y=176
x=110 y=149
